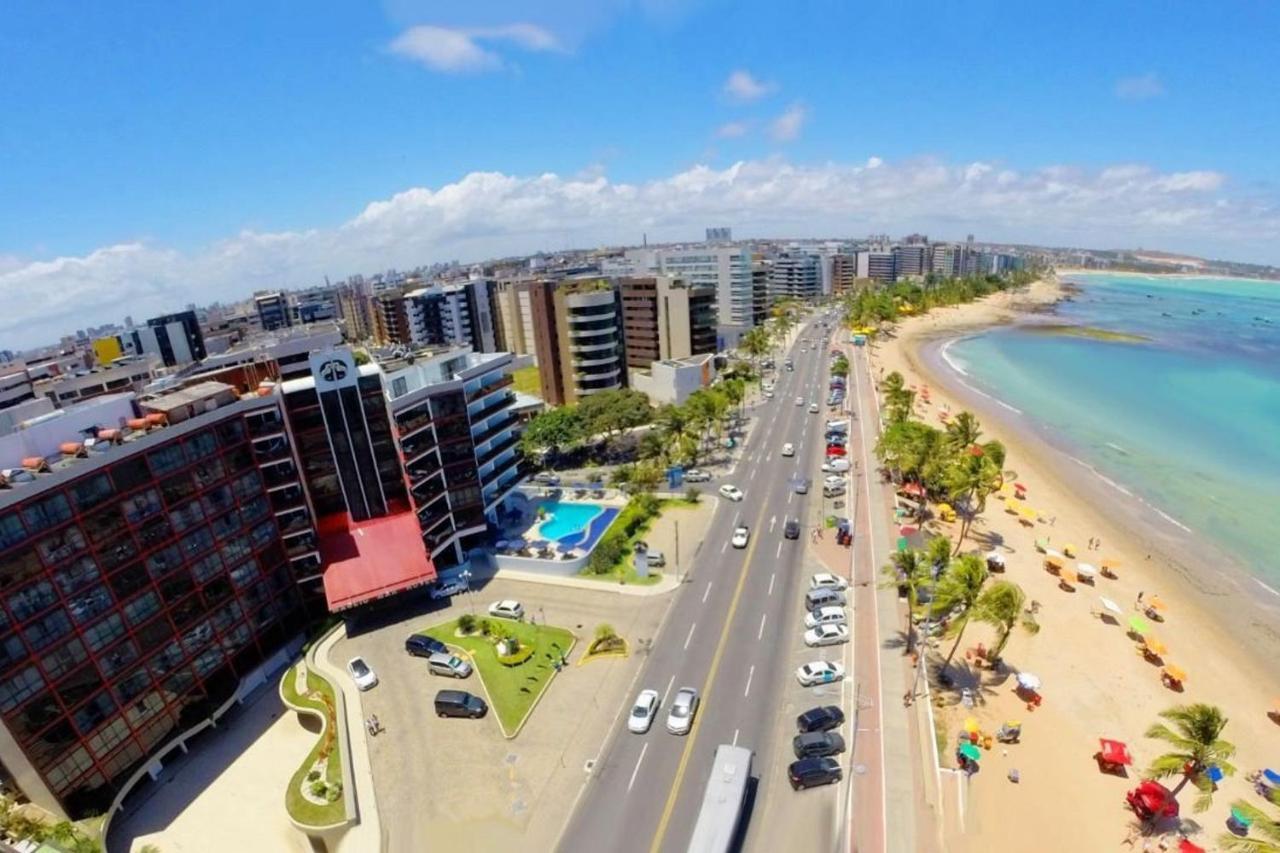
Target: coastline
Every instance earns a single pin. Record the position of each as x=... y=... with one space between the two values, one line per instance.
x=1095 y=684
x=1065 y=271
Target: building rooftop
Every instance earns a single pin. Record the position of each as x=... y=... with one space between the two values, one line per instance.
x=372 y=559
x=186 y=396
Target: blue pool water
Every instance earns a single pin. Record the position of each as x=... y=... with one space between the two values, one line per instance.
x=566 y=519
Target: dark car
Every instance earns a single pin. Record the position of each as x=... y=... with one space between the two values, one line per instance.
x=791 y=529
x=821 y=719
x=424 y=647
x=817 y=744
x=812 y=772
x=459 y=703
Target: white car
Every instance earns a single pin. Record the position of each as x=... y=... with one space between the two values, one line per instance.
x=507 y=609
x=683 y=709
x=364 y=677
x=740 y=536
x=799 y=401
x=829 y=615
x=826 y=580
x=834 y=480
x=826 y=635
x=445 y=590
x=733 y=493
x=768 y=395
x=813 y=408
x=819 y=672
x=788 y=449
x=643 y=712
x=696 y=475
x=836 y=464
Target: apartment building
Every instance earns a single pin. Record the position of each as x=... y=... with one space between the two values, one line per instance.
x=356 y=312
x=314 y=305
x=911 y=260
x=877 y=265
x=578 y=338
x=448 y=314
x=176 y=338
x=844 y=272
x=273 y=311
x=390 y=317
x=127 y=373
x=726 y=268
x=665 y=318
x=794 y=274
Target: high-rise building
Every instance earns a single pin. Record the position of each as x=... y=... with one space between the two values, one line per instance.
x=911 y=260
x=390 y=317
x=273 y=311
x=451 y=314
x=726 y=268
x=844 y=272
x=176 y=338
x=355 y=309
x=719 y=235
x=795 y=274
x=316 y=305
x=664 y=318
x=946 y=260
x=877 y=265
x=578 y=337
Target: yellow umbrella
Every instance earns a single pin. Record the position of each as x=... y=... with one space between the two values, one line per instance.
x=1068 y=578
x=1069 y=550
x=1155 y=603
x=971 y=725
x=1154 y=645
x=1175 y=673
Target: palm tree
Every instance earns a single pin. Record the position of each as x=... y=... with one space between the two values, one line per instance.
x=969 y=481
x=1265 y=824
x=958 y=594
x=908 y=569
x=963 y=432
x=1196 y=738
x=891 y=383
x=1000 y=605
x=937 y=555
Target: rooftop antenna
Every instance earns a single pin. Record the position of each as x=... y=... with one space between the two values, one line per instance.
x=646 y=239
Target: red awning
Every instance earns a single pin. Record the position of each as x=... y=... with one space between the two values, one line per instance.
x=1115 y=752
x=912 y=489
x=372 y=559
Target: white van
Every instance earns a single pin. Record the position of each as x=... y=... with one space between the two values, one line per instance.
x=833 y=490
x=837 y=426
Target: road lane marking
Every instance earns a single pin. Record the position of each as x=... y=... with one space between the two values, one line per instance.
x=667 y=692
x=778 y=556
x=724 y=547
x=737 y=515
x=750 y=674
x=772 y=521
x=760 y=633
x=735 y=737
x=706 y=593
x=643 y=750
x=690 y=637
x=775 y=574
x=790 y=495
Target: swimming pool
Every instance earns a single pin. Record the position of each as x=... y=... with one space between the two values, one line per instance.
x=566 y=519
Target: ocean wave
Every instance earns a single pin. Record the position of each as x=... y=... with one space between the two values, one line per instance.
x=950 y=362
x=1117 y=447
x=1170 y=519
x=1267 y=588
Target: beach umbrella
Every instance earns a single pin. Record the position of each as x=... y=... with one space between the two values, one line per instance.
x=1155 y=603
x=1154 y=645
x=1052 y=554
x=1241 y=818
x=1139 y=625
x=1115 y=751
x=971 y=724
x=970 y=752
x=1175 y=672
x=995 y=557
x=1110 y=564
x=1111 y=605
x=1085 y=570
x=1028 y=681
x=1186 y=845
x=907 y=530
x=1271 y=776
x=1069 y=578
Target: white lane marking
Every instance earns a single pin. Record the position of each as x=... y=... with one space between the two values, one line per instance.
x=724 y=547
x=772 y=521
x=667 y=692
x=775 y=574
x=706 y=593
x=779 y=554
x=737 y=515
x=790 y=495
x=760 y=633
x=735 y=737
x=643 y=750
x=750 y=674
x=690 y=637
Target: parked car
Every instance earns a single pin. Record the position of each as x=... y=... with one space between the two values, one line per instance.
x=836 y=437
x=459 y=703
x=815 y=598
x=830 y=615
x=841 y=425
x=361 y=674
x=836 y=450
x=683 y=709
x=812 y=772
x=422 y=646
x=830 y=490
x=826 y=635
x=836 y=464
x=643 y=712
x=447 y=589
x=835 y=480
x=447 y=664
x=788 y=449
x=768 y=394
x=826 y=580
x=696 y=475
x=819 y=672
x=817 y=744
x=507 y=609
x=733 y=493
x=546 y=479
x=791 y=530
x=821 y=719
x=740 y=536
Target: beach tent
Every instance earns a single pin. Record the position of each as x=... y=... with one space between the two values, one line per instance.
x=1113 y=755
x=1028 y=681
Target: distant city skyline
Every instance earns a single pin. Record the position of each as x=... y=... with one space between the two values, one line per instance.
x=156 y=158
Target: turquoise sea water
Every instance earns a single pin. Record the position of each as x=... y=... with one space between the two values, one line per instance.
x=1187 y=422
x=566 y=519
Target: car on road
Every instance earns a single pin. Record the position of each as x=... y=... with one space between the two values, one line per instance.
x=447 y=664
x=361 y=674
x=817 y=744
x=422 y=646
x=448 y=589
x=832 y=614
x=791 y=530
x=696 y=475
x=459 y=703
x=799 y=401
x=740 y=536
x=826 y=635
x=835 y=465
x=507 y=609
x=733 y=493
x=824 y=718
x=819 y=672
x=813 y=408
x=643 y=712
x=826 y=580
x=788 y=449
x=768 y=394
x=800 y=486
x=812 y=772
x=683 y=709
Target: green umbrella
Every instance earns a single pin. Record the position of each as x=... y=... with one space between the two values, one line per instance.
x=970 y=752
x=1139 y=625
x=1241 y=818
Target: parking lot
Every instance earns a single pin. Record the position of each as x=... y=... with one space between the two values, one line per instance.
x=456 y=781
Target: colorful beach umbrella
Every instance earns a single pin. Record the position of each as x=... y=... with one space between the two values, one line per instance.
x=1175 y=672
x=1115 y=751
x=1028 y=681
x=1110 y=564
x=1155 y=603
x=1085 y=570
x=1271 y=776
x=1153 y=645
x=1139 y=625
x=1111 y=605
x=1241 y=818
x=970 y=752
x=1186 y=845
x=971 y=724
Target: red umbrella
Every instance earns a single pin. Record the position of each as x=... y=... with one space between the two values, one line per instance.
x=912 y=489
x=1020 y=487
x=1185 y=846
x=1115 y=752
x=1151 y=798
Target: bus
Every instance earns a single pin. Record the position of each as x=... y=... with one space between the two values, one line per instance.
x=723 y=801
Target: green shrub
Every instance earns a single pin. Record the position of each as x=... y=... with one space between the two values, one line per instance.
x=335 y=791
x=466 y=623
x=313 y=775
x=692 y=495
x=608 y=552
x=520 y=656
x=318 y=789
x=486 y=628
x=604 y=631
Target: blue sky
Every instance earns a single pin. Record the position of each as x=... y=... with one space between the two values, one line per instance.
x=142 y=138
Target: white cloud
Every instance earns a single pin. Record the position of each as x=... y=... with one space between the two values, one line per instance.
x=490 y=214
x=1139 y=88
x=786 y=127
x=731 y=130
x=459 y=50
x=742 y=86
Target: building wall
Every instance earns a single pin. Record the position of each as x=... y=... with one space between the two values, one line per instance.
x=106 y=350
x=589 y=330
x=546 y=341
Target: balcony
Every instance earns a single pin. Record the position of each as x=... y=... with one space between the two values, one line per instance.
x=608 y=345
x=414 y=449
x=430 y=522
x=507 y=379
x=580 y=333
x=271 y=449
x=493 y=408
x=493 y=452
x=502 y=425
x=280 y=475
x=595 y=376
x=264 y=425
x=423 y=470
x=299 y=545
x=408 y=426
x=294 y=522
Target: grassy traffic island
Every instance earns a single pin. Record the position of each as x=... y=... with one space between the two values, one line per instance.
x=514 y=660
x=314 y=797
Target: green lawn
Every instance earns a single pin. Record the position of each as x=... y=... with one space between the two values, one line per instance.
x=526 y=380
x=512 y=689
x=625 y=568
x=301 y=809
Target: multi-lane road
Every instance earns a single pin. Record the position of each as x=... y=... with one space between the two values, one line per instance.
x=734 y=634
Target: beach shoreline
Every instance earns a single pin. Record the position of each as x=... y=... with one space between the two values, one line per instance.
x=1218 y=616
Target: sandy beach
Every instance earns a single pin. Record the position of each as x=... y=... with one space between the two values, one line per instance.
x=1096 y=683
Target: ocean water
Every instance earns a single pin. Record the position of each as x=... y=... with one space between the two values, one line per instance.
x=1187 y=421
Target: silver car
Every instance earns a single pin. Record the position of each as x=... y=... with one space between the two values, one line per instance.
x=683 y=709
x=643 y=712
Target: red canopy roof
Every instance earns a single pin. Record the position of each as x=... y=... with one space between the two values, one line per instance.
x=1115 y=752
x=912 y=489
x=372 y=559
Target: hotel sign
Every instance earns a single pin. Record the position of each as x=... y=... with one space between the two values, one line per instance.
x=335 y=368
